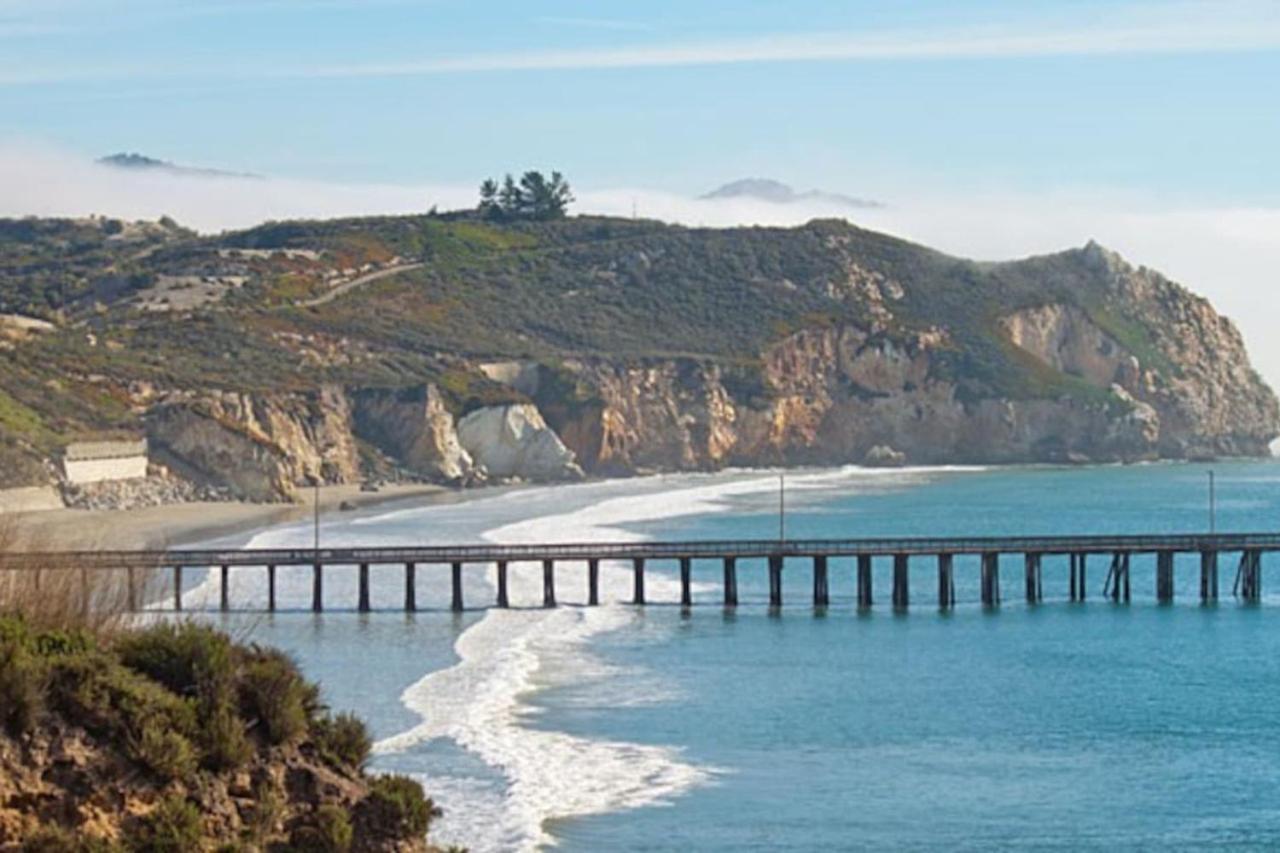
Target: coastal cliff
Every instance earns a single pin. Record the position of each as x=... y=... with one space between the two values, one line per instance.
x=608 y=348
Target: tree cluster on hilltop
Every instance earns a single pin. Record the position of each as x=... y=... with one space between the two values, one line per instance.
x=534 y=196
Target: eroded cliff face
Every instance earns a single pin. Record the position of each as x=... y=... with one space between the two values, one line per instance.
x=515 y=442
x=259 y=447
x=836 y=396
x=1136 y=368
x=415 y=427
x=1210 y=399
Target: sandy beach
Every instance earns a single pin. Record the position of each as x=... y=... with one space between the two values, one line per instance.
x=179 y=524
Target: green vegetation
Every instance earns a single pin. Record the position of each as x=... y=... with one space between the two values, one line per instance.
x=395 y=806
x=170 y=715
x=342 y=740
x=535 y=197
x=173 y=827
x=328 y=831
x=513 y=280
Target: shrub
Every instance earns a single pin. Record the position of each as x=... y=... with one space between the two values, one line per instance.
x=329 y=831
x=343 y=739
x=200 y=662
x=52 y=839
x=270 y=806
x=190 y=659
x=224 y=741
x=22 y=687
x=156 y=726
x=272 y=691
x=397 y=807
x=173 y=827
x=63 y=642
x=165 y=751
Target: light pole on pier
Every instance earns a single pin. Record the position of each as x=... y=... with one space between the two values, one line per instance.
x=315 y=501
x=782 y=506
x=1213 y=503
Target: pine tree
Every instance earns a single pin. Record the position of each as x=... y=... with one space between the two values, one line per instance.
x=489 y=198
x=510 y=199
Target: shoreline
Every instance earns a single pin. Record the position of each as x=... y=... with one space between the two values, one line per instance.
x=180 y=524
x=173 y=525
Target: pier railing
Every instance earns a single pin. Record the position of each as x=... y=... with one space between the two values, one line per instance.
x=1118 y=549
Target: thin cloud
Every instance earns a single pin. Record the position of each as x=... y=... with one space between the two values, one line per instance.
x=593 y=23
x=1194 y=27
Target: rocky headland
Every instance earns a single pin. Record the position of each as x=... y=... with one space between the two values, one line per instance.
x=550 y=352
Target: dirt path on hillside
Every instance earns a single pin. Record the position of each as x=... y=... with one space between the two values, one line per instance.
x=359 y=282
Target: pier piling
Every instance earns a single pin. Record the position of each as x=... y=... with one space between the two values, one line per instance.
x=946 y=581
x=1117 y=586
x=1079 y=563
x=317 y=588
x=1249 y=576
x=362 y=604
x=177 y=589
x=1164 y=577
x=548 y=583
x=901 y=582
x=821 y=591
x=455 y=583
x=1208 y=576
x=224 y=593
x=775 y=581
x=1034 y=591
x=502 y=584
x=410 y=587
x=593 y=582
x=686 y=582
x=637 y=568
x=271 y=588
x=864 y=581
x=730 y=581
x=990 y=578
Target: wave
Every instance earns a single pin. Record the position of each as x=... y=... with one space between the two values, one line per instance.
x=478 y=702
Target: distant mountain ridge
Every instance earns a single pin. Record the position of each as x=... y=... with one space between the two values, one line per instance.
x=776 y=192
x=141 y=162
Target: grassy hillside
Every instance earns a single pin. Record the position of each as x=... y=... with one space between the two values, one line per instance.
x=476 y=290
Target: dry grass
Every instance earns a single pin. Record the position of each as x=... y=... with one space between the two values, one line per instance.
x=62 y=598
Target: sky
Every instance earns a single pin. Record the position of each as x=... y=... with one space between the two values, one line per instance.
x=989 y=129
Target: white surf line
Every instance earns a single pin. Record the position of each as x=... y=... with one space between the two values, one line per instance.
x=477 y=702
x=503 y=657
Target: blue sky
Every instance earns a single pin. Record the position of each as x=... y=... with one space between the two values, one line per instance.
x=1172 y=100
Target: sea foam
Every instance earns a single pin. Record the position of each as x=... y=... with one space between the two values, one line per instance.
x=478 y=704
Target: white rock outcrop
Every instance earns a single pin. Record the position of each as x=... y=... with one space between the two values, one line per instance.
x=514 y=441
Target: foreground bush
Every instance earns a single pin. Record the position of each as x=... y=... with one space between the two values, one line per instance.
x=343 y=739
x=397 y=806
x=174 y=827
x=183 y=740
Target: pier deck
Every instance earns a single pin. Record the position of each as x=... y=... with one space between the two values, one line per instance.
x=772 y=554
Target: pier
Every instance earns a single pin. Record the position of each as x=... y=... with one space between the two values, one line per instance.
x=840 y=569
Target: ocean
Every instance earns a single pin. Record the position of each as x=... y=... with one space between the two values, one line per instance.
x=1050 y=726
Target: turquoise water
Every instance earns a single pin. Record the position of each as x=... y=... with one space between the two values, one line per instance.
x=1057 y=726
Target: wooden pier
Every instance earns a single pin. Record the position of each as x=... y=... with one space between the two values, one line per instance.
x=835 y=566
